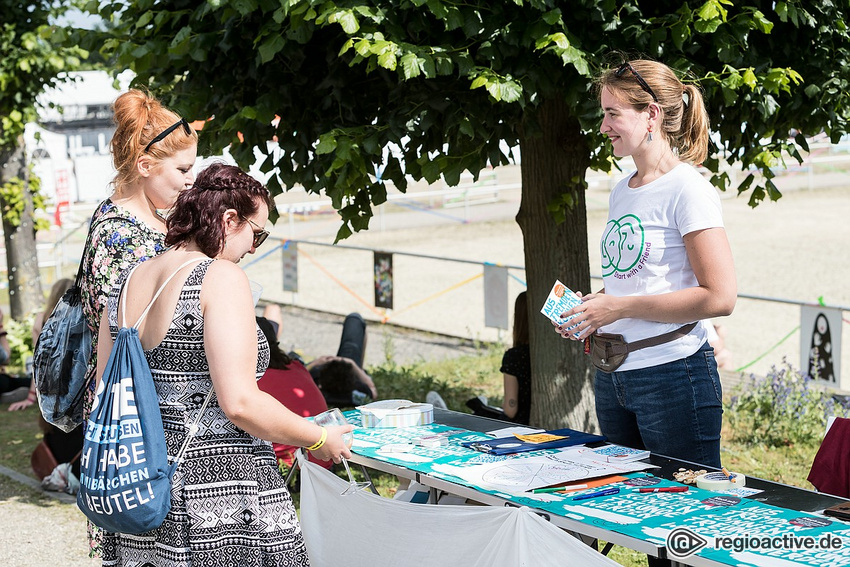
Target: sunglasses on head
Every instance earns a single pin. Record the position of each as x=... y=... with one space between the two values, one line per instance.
x=161 y=136
x=626 y=66
x=259 y=237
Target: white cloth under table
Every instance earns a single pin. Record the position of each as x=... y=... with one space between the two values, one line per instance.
x=367 y=530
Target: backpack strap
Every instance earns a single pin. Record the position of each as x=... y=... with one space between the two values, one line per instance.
x=156 y=295
x=94 y=222
x=193 y=429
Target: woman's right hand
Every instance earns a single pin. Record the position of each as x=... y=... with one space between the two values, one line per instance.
x=335 y=449
x=21 y=405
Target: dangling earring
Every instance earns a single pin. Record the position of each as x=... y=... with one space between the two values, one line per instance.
x=649 y=138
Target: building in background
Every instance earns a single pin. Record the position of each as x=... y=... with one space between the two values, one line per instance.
x=69 y=148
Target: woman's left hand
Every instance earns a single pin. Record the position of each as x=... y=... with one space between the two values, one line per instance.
x=596 y=310
x=335 y=448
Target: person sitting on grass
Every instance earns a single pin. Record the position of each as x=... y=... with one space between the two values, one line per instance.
x=291 y=384
x=12 y=388
x=64 y=446
x=56 y=292
x=341 y=378
x=516 y=372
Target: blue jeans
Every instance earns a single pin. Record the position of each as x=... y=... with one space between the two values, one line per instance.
x=673 y=409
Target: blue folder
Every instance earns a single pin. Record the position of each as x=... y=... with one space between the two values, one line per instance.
x=510 y=445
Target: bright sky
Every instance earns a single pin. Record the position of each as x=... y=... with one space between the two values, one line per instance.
x=78 y=19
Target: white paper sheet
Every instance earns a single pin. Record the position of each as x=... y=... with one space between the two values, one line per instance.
x=522 y=474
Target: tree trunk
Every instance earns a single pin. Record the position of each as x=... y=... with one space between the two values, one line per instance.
x=554 y=163
x=25 y=293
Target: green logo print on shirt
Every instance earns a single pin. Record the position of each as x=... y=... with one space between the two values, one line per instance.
x=623 y=244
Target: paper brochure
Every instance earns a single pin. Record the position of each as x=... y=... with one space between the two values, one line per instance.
x=561 y=299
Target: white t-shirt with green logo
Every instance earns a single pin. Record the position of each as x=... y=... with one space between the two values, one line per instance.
x=643 y=253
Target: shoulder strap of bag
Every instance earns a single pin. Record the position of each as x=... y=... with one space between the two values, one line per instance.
x=193 y=429
x=661 y=339
x=156 y=295
x=92 y=224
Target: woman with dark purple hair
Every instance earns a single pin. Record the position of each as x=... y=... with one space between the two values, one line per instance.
x=230 y=505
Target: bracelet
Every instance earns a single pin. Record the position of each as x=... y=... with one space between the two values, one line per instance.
x=320 y=442
x=31 y=397
x=3 y=333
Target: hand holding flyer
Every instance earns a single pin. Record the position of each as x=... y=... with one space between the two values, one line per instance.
x=560 y=300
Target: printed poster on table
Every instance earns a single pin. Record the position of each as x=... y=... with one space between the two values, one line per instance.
x=754 y=534
x=519 y=475
x=757 y=534
x=384 y=280
x=712 y=525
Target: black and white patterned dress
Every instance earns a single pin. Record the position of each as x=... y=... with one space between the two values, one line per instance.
x=229 y=504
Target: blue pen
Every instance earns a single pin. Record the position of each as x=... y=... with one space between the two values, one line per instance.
x=605 y=492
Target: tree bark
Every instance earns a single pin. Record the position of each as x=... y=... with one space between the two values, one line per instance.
x=25 y=293
x=554 y=162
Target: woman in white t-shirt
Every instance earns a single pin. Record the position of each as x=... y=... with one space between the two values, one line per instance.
x=666 y=263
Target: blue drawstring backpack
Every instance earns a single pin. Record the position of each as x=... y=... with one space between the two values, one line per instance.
x=125 y=477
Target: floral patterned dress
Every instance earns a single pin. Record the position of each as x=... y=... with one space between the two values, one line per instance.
x=118 y=241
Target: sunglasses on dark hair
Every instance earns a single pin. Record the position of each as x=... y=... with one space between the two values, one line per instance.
x=626 y=66
x=161 y=136
x=259 y=237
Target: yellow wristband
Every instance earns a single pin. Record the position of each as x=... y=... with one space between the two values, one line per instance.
x=320 y=442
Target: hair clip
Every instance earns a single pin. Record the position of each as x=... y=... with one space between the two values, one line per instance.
x=686 y=98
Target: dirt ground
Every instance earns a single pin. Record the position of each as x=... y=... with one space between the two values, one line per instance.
x=39 y=531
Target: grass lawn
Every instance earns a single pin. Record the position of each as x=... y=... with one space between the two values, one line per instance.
x=19 y=434
x=456 y=380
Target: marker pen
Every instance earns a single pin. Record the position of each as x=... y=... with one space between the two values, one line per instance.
x=664 y=489
x=558 y=488
x=605 y=492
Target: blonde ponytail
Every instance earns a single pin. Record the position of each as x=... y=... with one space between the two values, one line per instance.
x=693 y=134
